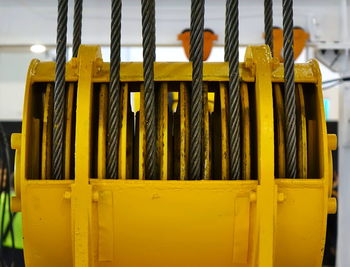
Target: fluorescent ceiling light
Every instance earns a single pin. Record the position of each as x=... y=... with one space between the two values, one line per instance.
x=38 y=48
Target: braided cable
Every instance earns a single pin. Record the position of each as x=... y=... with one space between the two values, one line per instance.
x=149 y=55
x=114 y=91
x=268 y=19
x=227 y=30
x=77 y=25
x=232 y=56
x=196 y=56
x=59 y=91
x=289 y=88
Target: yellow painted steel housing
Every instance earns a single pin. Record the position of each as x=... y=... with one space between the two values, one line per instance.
x=261 y=220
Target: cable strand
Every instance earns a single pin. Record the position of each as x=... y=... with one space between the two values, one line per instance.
x=289 y=88
x=232 y=56
x=59 y=91
x=149 y=56
x=77 y=25
x=196 y=56
x=268 y=19
x=114 y=91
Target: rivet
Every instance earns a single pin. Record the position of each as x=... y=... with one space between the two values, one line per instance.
x=95 y=196
x=67 y=195
x=281 y=197
x=252 y=197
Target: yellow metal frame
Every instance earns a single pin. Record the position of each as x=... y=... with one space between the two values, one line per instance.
x=98 y=222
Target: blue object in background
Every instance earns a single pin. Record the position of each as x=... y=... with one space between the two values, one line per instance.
x=326 y=103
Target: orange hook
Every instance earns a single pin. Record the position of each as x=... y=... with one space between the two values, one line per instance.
x=209 y=38
x=300 y=39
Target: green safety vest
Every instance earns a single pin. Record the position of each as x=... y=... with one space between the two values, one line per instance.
x=17 y=226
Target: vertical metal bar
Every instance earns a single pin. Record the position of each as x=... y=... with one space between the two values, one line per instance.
x=280 y=135
x=289 y=88
x=268 y=19
x=59 y=91
x=301 y=132
x=196 y=56
x=222 y=95
x=102 y=131
x=149 y=56
x=46 y=147
x=184 y=130
x=206 y=166
x=35 y=149
x=232 y=56
x=78 y=11
x=246 y=155
x=123 y=137
x=163 y=131
x=114 y=91
x=141 y=135
x=69 y=131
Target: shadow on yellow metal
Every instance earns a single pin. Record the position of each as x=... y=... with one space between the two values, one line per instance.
x=103 y=223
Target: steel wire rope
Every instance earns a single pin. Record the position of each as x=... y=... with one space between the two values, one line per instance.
x=232 y=56
x=149 y=56
x=59 y=91
x=77 y=25
x=114 y=91
x=196 y=56
x=289 y=89
x=268 y=22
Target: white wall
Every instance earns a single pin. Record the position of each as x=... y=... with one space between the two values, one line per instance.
x=13 y=71
x=27 y=22
x=343 y=241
